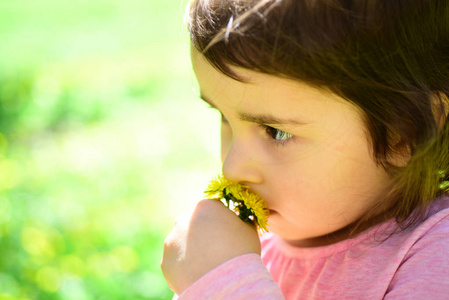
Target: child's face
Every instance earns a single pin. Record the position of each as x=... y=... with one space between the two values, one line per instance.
x=314 y=169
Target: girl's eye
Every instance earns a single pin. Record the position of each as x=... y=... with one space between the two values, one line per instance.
x=278 y=135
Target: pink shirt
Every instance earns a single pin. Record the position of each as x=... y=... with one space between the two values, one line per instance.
x=412 y=264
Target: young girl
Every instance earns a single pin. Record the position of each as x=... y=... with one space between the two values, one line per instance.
x=335 y=113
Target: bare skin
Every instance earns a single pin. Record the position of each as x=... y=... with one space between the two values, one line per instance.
x=203 y=239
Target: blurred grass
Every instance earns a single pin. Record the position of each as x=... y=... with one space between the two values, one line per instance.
x=102 y=143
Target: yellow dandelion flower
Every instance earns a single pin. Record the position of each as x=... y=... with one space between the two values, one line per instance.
x=249 y=206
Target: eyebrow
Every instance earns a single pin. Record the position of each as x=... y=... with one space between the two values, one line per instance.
x=260 y=118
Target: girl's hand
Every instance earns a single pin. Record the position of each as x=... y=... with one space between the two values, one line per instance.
x=204 y=239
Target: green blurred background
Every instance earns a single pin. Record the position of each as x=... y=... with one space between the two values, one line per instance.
x=102 y=144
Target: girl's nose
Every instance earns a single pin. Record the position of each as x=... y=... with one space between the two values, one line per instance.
x=239 y=165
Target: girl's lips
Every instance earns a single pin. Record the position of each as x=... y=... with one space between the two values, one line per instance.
x=272 y=212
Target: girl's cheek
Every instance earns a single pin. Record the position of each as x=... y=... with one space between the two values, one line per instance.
x=340 y=148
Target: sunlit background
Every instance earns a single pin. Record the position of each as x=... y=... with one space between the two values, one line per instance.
x=102 y=144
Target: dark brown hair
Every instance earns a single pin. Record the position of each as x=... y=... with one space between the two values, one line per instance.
x=390 y=58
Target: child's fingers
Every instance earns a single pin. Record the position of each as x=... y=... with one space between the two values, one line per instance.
x=203 y=239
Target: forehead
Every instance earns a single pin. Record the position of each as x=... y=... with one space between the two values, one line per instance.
x=265 y=93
